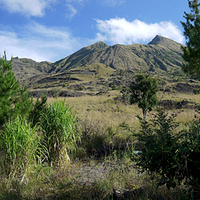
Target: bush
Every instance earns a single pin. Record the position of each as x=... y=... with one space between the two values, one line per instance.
x=59 y=129
x=38 y=109
x=159 y=146
x=196 y=91
x=190 y=152
x=173 y=155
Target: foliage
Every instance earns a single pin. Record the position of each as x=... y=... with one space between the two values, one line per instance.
x=125 y=95
x=196 y=91
x=159 y=145
x=38 y=108
x=20 y=144
x=191 y=53
x=171 y=154
x=190 y=152
x=59 y=128
x=144 y=92
x=14 y=100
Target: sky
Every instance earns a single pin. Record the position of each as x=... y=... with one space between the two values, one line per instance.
x=49 y=30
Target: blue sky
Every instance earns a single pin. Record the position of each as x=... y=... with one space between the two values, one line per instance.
x=49 y=30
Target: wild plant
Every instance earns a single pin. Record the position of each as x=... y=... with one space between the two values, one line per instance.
x=159 y=145
x=20 y=144
x=172 y=154
x=58 y=125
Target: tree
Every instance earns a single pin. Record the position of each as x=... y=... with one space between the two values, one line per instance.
x=144 y=92
x=125 y=95
x=191 y=52
x=14 y=100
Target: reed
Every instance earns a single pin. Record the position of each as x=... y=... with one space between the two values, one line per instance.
x=20 y=143
x=58 y=125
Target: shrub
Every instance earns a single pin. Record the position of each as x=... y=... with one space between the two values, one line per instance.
x=196 y=91
x=159 y=146
x=190 y=153
x=173 y=155
x=59 y=129
x=38 y=108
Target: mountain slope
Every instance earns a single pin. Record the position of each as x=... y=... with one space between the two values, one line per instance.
x=25 y=68
x=161 y=53
x=100 y=61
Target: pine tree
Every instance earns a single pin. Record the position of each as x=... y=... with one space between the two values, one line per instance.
x=191 y=52
x=14 y=99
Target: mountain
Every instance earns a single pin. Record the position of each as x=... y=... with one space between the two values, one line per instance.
x=100 y=60
x=25 y=68
x=161 y=53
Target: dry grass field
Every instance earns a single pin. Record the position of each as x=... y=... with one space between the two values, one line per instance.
x=101 y=167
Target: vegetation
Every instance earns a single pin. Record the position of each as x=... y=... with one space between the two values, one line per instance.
x=20 y=144
x=144 y=92
x=191 y=53
x=59 y=132
x=14 y=99
x=114 y=154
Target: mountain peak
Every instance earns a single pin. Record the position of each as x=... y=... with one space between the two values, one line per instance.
x=98 y=45
x=158 y=39
x=166 y=42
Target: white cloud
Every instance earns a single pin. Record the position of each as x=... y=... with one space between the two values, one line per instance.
x=113 y=2
x=71 y=11
x=75 y=1
x=39 y=43
x=27 y=7
x=119 y=30
x=71 y=7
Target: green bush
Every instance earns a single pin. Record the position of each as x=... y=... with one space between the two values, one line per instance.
x=196 y=91
x=20 y=144
x=173 y=155
x=38 y=109
x=189 y=151
x=59 y=130
x=159 y=146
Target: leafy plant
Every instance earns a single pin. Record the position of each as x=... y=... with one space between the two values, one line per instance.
x=171 y=154
x=125 y=95
x=190 y=152
x=38 y=108
x=144 y=92
x=59 y=129
x=159 y=146
x=196 y=91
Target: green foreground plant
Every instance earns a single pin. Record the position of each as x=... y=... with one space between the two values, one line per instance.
x=59 y=132
x=14 y=99
x=21 y=145
x=171 y=154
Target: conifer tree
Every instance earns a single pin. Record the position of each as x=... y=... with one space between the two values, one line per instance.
x=14 y=99
x=191 y=52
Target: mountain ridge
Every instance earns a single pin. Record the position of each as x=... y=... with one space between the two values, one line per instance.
x=160 y=54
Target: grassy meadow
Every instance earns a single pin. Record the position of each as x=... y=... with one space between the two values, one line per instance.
x=101 y=167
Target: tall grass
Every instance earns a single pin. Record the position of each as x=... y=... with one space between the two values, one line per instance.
x=59 y=132
x=20 y=144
